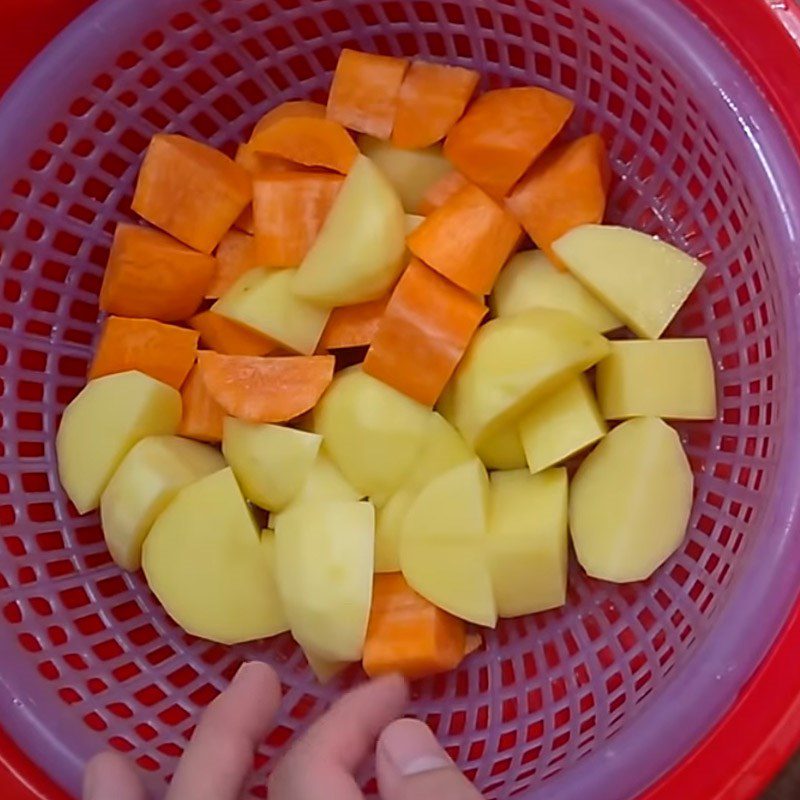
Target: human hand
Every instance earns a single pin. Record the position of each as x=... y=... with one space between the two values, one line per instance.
x=321 y=766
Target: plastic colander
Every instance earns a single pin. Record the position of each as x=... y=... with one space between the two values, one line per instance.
x=625 y=688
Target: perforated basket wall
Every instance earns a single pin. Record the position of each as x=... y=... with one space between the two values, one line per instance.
x=607 y=692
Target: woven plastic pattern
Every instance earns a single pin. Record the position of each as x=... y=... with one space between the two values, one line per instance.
x=89 y=658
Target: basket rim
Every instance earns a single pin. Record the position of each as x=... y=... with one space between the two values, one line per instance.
x=757 y=735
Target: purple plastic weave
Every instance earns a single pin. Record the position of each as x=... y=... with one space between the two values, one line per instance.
x=595 y=700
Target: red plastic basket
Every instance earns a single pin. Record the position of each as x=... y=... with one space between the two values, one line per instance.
x=753 y=739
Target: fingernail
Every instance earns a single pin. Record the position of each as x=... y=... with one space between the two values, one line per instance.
x=412 y=748
x=244 y=670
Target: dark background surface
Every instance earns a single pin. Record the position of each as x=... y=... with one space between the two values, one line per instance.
x=25 y=28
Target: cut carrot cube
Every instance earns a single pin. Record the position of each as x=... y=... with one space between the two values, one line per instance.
x=256 y=163
x=441 y=191
x=309 y=141
x=408 y=634
x=289 y=209
x=423 y=334
x=150 y=274
x=565 y=188
x=353 y=326
x=503 y=132
x=244 y=221
x=364 y=92
x=259 y=389
x=468 y=239
x=229 y=337
x=202 y=417
x=164 y=352
x=291 y=108
x=432 y=99
x=235 y=255
x=190 y=190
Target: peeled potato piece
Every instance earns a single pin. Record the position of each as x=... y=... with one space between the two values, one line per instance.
x=98 y=428
x=630 y=501
x=210 y=566
x=152 y=473
x=443 y=544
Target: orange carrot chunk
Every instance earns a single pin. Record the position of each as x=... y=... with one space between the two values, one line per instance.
x=244 y=221
x=202 y=417
x=260 y=389
x=468 y=239
x=440 y=192
x=565 y=188
x=364 y=92
x=190 y=190
x=288 y=211
x=150 y=274
x=423 y=334
x=432 y=99
x=235 y=255
x=353 y=326
x=307 y=140
x=255 y=162
x=291 y=108
x=408 y=634
x=503 y=132
x=165 y=352
x=229 y=337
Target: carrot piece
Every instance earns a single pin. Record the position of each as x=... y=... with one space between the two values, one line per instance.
x=202 y=418
x=468 y=239
x=150 y=274
x=255 y=162
x=190 y=190
x=431 y=100
x=288 y=211
x=260 y=389
x=244 y=221
x=364 y=92
x=353 y=326
x=165 y=352
x=307 y=140
x=565 y=188
x=423 y=334
x=291 y=108
x=441 y=191
x=236 y=254
x=408 y=634
x=229 y=337
x=503 y=132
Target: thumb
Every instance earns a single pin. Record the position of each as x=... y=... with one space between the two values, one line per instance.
x=412 y=765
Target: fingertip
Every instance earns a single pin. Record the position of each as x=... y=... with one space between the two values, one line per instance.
x=258 y=676
x=110 y=775
x=409 y=747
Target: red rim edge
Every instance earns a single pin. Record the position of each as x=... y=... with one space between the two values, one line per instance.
x=761 y=731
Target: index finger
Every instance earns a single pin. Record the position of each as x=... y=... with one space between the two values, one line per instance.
x=322 y=763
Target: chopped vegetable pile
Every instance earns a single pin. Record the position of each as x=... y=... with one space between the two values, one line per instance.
x=391 y=322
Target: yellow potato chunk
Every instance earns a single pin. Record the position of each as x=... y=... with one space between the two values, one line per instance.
x=360 y=250
x=325 y=567
x=671 y=378
x=271 y=462
x=210 y=566
x=413 y=221
x=630 y=501
x=263 y=299
x=372 y=432
x=528 y=541
x=502 y=448
x=531 y=280
x=512 y=362
x=152 y=473
x=326 y=482
x=561 y=424
x=106 y=419
x=443 y=544
x=444 y=448
x=411 y=172
x=642 y=279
